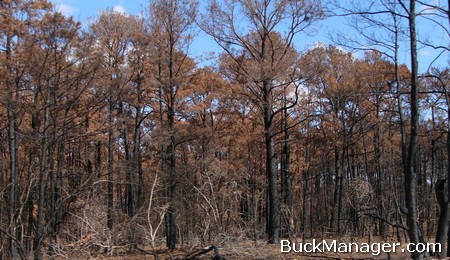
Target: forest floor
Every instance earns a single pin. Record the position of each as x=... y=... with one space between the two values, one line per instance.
x=261 y=250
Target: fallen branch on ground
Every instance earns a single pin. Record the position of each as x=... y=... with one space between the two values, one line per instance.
x=195 y=254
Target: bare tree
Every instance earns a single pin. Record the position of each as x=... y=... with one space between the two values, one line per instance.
x=387 y=16
x=411 y=170
x=262 y=57
x=388 y=41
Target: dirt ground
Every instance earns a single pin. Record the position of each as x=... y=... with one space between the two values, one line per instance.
x=261 y=250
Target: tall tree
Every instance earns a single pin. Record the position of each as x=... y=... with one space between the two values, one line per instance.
x=171 y=23
x=411 y=171
x=264 y=62
x=113 y=40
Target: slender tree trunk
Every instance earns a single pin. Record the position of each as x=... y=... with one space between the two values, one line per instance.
x=137 y=156
x=399 y=100
x=447 y=216
x=14 y=174
x=56 y=179
x=14 y=179
x=403 y=135
x=42 y=180
x=305 y=225
x=272 y=203
x=171 y=234
x=98 y=158
x=171 y=213
x=442 y=228
x=13 y=147
x=379 y=177
x=129 y=200
x=411 y=174
x=110 y=196
x=286 y=175
x=336 y=216
x=130 y=186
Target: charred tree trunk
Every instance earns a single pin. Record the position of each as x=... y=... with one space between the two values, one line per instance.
x=14 y=175
x=447 y=216
x=56 y=180
x=379 y=177
x=336 y=216
x=13 y=147
x=42 y=180
x=130 y=187
x=305 y=213
x=442 y=228
x=410 y=173
x=137 y=156
x=171 y=235
x=110 y=192
x=273 y=207
x=286 y=176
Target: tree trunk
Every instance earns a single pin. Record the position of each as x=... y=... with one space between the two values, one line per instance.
x=13 y=147
x=137 y=161
x=130 y=186
x=171 y=238
x=379 y=177
x=56 y=180
x=305 y=213
x=447 y=215
x=442 y=228
x=336 y=217
x=286 y=176
x=410 y=173
x=171 y=235
x=273 y=207
x=42 y=180
x=129 y=189
x=14 y=174
x=110 y=196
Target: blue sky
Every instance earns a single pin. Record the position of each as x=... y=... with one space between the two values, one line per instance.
x=86 y=10
x=82 y=10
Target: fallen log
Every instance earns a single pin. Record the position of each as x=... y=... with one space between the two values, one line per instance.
x=195 y=254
